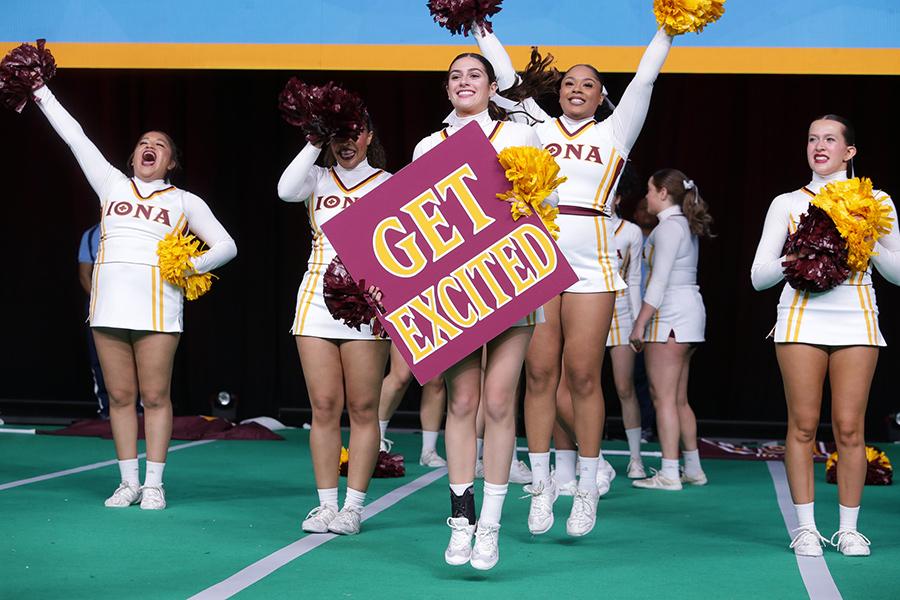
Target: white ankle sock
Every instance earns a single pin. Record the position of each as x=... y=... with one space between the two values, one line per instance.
x=806 y=517
x=848 y=517
x=565 y=466
x=328 y=497
x=540 y=466
x=587 y=473
x=355 y=499
x=492 y=503
x=429 y=440
x=634 y=443
x=382 y=425
x=479 y=448
x=129 y=473
x=691 y=462
x=459 y=489
x=154 y=475
x=669 y=469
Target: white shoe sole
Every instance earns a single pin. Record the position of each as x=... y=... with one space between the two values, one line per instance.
x=456 y=561
x=482 y=565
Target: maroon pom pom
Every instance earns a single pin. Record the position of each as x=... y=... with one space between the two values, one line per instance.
x=821 y=252
x=23 y=70
x=389 y=465
x=323 y=112
x=347 y=300
x=459 y=15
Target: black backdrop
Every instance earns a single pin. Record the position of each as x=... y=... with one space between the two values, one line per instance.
x=742 y=138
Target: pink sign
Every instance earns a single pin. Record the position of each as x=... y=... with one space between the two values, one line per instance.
x=454 y=267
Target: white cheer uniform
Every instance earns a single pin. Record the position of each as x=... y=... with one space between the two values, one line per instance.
x=127 y=290
x=670 y=257
x=846 y=315
x=591 y=155
x=326 y=193
x=628 y=244
x=502 y=134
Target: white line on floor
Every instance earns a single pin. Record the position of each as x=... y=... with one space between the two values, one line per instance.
x=10 y=430
x=268 y=565
x=90 y=467
x=813 y=570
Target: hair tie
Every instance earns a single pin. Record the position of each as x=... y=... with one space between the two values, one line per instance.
x=688 y=184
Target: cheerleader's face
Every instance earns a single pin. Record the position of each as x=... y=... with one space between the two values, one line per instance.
x=349 y=153
x=468 y=86
x=152 y=158
x=826 y=148
x=658 y=199
x=580 y=93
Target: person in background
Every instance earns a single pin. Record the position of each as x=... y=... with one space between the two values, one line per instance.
x=87 y=254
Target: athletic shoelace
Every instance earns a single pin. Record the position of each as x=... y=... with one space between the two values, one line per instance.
x=848 y=537
x=486 y=539
x=581 y=505
x=803 y=534
x=460 y=538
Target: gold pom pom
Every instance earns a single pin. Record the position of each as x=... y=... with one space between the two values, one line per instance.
x=533 y=175
x=859 y=217
x=683 y=16
x=175 y=254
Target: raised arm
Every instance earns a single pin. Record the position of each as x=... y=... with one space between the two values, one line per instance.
x=299 y=179
x=633 y=276
x=205 y=226
x=767 y=269
x=628 y=117
x=887 y=259
x=100 y=174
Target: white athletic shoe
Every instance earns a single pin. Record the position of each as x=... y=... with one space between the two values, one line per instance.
x=154 y=498
x=459 y=550
x=346 y=522
x=696 y=479
x=540 y=513
x=807 y=542
x=519 y=472
x=657 y=482
x=430 y=458
x=318 y=519
x=566 y=489
x=479 y=469
x=385 y=445
x=584 y=513
x=486 y=551
x=605 y=476
x=636 y=469
x=851 y=543
x=125 y=495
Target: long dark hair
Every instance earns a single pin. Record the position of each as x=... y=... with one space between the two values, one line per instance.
x=176 y=156
x=849 y=136
x=495 y=112
x=541 y=78
x=686 y=194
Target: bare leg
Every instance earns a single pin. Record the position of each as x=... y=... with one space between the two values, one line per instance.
x=542 y=372
x=321 y=362
x=120 y=372
x=665 y=363
x=154 y=355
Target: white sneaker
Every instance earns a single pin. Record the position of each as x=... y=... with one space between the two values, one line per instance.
x=540 y=513
x=519 y=472
x=636 y=469
x=125 y=495
x=346 y=522
x=696 y=479
x=605 y=476
x=584 y=513
x=657 y=482
x=479 y=469
x=318 y=519
x=807 y=542
x=154 y=498
x=430 y=458
x=566 y=489
x=486 y=551
x=851 y=543
x=385 y=445
x=459 y=550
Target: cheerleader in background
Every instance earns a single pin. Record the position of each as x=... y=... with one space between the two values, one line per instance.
x=831 y=334
x=470 y=84
x=672 y=320
x=340 y=364
x=591 y=155
x=135 y=315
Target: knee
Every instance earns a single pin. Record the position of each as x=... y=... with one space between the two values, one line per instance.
x=155 y=399
x=121 y=397
x=583 y=382
x=541 y=378
x=363 y=411
x=848 y=434
x=803 y=432
x=463 y=405
x=498 y=406
x=326 y=409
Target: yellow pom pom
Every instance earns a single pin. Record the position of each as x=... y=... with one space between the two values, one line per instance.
x=533 y=175
x=175 y=254
x=683 y=16
x=859 y=217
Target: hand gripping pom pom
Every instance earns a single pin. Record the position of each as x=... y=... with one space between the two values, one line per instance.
x=533 y=175
x=322 y=112
x=459 y=15
x=347 y=300
x=878 y=468
x=821 y=252
x=684 y=16
x=23 y=70
x=175 y=259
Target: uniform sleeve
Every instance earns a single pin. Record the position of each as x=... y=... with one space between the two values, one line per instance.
x=299 y=179
x=666 y=241
x=628 y=117
x=493 y=50
x=633 y=276
x=422 y=147
x=887 y=259
x=205 y=226
x=100 y=174
x=767 y=269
